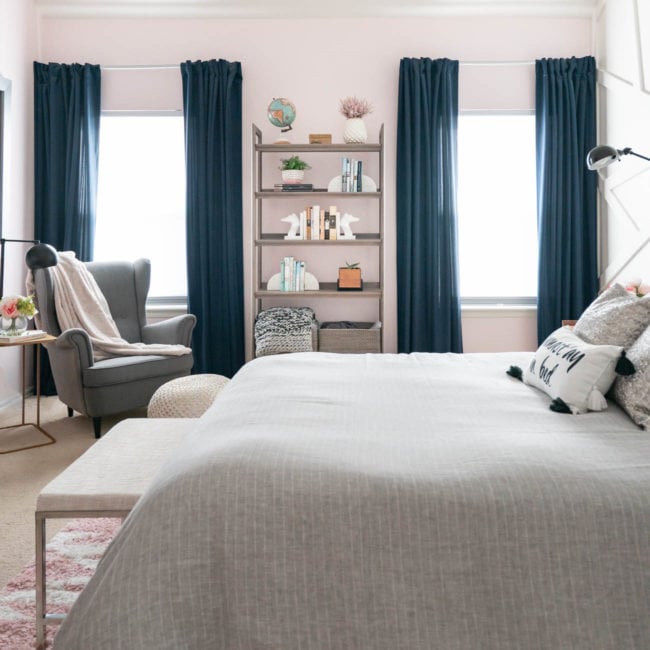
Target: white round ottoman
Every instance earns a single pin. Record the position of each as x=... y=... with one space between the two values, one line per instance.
x=186 y=397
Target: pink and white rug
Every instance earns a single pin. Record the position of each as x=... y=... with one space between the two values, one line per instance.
x=72 y=557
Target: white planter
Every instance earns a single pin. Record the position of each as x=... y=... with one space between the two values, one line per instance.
x=355 y=131
x=293 y=175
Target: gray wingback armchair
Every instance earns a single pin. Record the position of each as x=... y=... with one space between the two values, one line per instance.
x=99 y=388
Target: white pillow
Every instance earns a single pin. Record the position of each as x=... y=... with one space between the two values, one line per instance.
x=575 y=374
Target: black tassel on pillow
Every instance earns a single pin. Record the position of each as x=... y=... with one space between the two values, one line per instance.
x=624 y=366
x=516 y=372
x=559 y=406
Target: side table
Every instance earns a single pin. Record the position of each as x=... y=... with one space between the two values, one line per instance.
x=23 y=343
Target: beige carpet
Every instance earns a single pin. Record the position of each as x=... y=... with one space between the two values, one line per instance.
x=23 y=474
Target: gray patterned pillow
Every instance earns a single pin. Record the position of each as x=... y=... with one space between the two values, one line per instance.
x=616 y=317
x=633 y=392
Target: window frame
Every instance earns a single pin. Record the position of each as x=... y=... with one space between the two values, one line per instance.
x=496 y=301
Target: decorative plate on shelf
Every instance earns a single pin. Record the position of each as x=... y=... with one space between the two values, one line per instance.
x=311 y=283
x=367 y=184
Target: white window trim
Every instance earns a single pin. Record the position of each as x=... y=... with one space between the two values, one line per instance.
x=498 y=311
x=144 y=113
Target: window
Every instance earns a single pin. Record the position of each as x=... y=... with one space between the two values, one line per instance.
x=141 y=197
x=497 y=208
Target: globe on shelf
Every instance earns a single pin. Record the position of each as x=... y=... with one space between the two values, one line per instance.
x=281 y=112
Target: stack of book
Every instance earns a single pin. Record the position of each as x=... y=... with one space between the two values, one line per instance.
x=351 y=175
x=293 y=187
x=28 y=334
x=317 y=223
x=292 y=274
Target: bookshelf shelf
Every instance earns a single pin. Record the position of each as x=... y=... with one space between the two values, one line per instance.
x=267 y=244
x=327 y=290
x=320 y=148
x=272 y=194
x=277 y=239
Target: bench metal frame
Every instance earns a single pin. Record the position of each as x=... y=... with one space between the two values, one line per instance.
x=42 y=617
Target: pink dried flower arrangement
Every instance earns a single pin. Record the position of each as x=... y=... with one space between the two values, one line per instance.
x=354 y=107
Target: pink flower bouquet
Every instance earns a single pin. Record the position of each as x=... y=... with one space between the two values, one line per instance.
x=15 y=306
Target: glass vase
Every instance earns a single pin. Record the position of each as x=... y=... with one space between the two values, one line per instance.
x=14 y=326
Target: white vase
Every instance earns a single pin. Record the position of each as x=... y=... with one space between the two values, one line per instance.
x=355 y=131
x=293 y=175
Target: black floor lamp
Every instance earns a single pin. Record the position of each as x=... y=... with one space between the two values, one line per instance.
x=38 y=256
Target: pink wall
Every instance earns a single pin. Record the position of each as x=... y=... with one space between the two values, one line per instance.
x=315 y=63
x=17 y=51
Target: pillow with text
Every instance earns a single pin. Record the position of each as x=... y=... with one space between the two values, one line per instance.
x=575 y=374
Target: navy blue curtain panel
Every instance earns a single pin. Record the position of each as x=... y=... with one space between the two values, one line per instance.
x=565 y=105
x=67 y=104
x=212 y=101
x=428 y=297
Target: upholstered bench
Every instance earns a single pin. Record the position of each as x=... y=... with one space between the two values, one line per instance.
x=106 y=481
x=186 y=397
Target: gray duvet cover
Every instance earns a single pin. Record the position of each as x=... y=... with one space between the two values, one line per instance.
x=383 y=502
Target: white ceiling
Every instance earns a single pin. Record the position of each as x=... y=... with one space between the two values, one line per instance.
x=311 y=8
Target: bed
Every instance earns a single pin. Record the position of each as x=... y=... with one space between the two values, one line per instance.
x=382 y=502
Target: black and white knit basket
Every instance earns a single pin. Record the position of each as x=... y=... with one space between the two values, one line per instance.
x=279 y=330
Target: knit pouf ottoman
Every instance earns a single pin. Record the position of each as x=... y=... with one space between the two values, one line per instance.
x=186 y=397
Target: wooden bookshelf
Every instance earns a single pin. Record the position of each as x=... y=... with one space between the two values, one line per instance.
x=265 y=242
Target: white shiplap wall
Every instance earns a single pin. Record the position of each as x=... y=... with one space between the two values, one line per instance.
x=622 y=35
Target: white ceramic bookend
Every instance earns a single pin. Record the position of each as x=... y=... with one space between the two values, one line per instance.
x=346 y=230
x=295 y=224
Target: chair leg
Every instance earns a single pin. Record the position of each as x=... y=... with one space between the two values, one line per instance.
x=70 y=412
x=97 y=425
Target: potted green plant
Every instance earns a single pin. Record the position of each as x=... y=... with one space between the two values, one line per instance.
x=293 y=169
x=350 y=277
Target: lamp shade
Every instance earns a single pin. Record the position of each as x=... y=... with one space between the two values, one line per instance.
x=601 y=156
x=41 y=256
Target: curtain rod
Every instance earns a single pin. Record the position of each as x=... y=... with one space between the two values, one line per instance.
x=165 y=66
x=170 y=66
x=496 y=63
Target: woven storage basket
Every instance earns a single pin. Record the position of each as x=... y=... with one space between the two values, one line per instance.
x=352 y=341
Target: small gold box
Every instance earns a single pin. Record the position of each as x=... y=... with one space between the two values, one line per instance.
x=320 y=138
